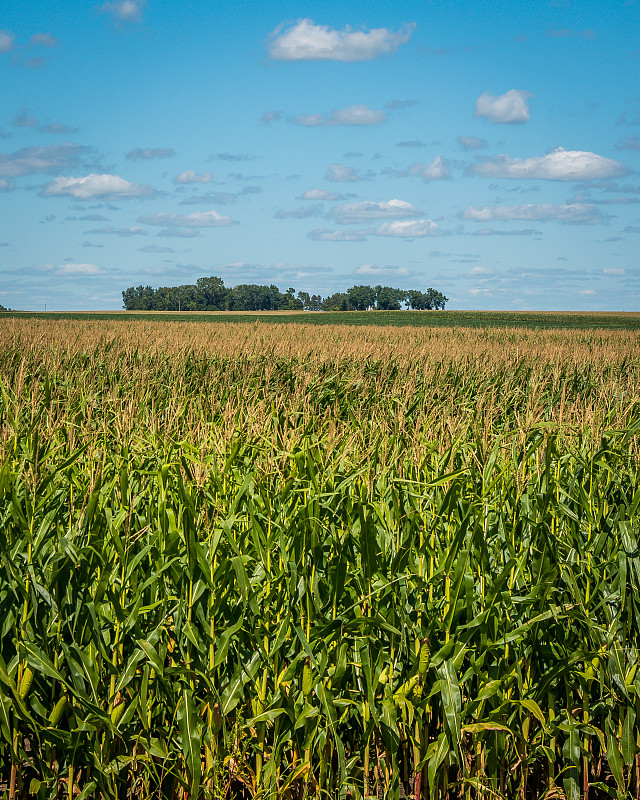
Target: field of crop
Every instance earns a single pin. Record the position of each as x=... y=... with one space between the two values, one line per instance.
x=283 y=560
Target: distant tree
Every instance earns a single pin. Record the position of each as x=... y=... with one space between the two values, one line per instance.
x=388 y=299
x=339 y=301
x=215 y=295
x=419 y=301
x=361 y=297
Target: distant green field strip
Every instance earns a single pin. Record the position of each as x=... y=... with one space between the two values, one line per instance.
x=452 y=319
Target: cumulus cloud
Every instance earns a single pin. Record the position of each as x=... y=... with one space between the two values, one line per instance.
x=575 y=213
x=472 y=143
x=135 y=230
x=300 y=213
x=199 y=219
x=408 y=229
x=558 y=165
x=189 y=176
x=339 y=173
x=31 y=160
x=510 y=107
x=306 y=41
x=358 y=114
x=147 y=154
x=327 y=235
x=124 y=10
x=320 y=194
x=90 y=186
x=349 y=213
x=6 y=41
x=72 y=270
x=437 y=170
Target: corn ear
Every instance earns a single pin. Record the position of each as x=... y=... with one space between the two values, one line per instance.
x=25 y=683
x=58 y=710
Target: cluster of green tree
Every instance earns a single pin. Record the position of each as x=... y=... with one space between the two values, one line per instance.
x=210 y=294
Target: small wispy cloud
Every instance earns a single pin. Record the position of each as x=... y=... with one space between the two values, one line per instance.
x=50 y=159
x=349 y=213
x=124 y=11
x=135 y=230
x=148 y=154
x=189 y=176
x=7 y=40
x=468 y=143
x=569 y=33
x=199 y=219
x=320 y=194
x=304 y=212
x=340 y=173
x=306 y=41
x=43 y=40
x=358 y=114
x=571 y=213
x=508 y=108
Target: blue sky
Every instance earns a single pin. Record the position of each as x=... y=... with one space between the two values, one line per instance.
x=490 y=150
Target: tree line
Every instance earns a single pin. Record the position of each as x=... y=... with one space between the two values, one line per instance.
x=210 y=294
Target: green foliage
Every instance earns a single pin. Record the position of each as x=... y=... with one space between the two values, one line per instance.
x=221 y=583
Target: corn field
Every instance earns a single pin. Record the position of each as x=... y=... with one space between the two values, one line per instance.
x=267 y=561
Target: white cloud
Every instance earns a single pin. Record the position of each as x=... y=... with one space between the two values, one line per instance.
x=437 y=170
x=6 y=186
x=358 y=114
x=339 y=173
x=618 y=271
x=51 y=159
x=378 y=271
x=408 y=229
x=577 y=213
x=558 y=165
x=320 y=194
x=147 y=154
x=199 y=219
x=6 y=41
x=124 y=10
x=472 y=143
x=306 y=41
x=189 y=176
x=510 y=107
x=326 y=235
x=365 y=212
x=78 y=269
x=90 y=186
x=135 y=230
